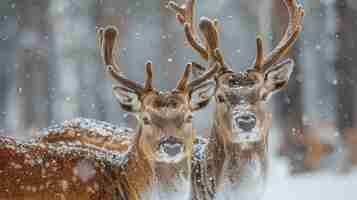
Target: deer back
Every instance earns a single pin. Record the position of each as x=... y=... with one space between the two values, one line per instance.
x=54 y=171
x=89 y=133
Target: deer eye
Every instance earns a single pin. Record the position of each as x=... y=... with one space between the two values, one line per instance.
x=220 y=99
x=146 y=120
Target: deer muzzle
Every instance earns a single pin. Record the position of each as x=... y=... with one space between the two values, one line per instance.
x=246 y=122
x=171 y=149
x=244 y=126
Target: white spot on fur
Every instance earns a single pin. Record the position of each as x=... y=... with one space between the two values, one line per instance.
x=84 y=170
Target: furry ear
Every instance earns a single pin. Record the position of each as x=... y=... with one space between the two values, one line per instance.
x=277 y=78
x=128 y=99
x=201 y=96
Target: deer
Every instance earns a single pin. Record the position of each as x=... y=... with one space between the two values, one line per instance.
x=233 y=162
x=156 y=165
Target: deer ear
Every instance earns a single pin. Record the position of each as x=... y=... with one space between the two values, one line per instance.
x=128 y=99
x=201 y=96
x=277 y=77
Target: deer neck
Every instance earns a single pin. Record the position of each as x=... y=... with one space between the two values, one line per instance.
x=152 y=180
x=173 y=180
x=233 y=165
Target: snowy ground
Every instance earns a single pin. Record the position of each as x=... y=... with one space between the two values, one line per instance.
x=324 y=185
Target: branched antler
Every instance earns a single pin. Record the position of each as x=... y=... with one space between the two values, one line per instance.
x=108 y=39
x=209 y=29
x=296 y=14
x=184 y=15
x=209 y=48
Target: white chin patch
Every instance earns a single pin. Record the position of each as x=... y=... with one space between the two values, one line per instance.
x=247 y=137
x=163 y=156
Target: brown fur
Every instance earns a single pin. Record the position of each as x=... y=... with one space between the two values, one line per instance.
x=157 y=156
x=242 y=91
x=221 y=151
x=34 y=171
x=132 y=177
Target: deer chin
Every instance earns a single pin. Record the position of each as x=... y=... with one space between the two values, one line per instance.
x=253 y=136
x=169 y=159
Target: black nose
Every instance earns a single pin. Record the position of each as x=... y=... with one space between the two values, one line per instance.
x=246 y=122
x=171 y=146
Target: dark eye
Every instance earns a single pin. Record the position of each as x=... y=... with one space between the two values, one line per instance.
x=146 y=120
x=220 y=99
x=189 y=118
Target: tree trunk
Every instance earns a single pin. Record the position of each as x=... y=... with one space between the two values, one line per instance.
x=346 y=64
x=33 y=62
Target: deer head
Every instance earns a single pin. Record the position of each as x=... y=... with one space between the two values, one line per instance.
x=165 y=118
x=240 y=96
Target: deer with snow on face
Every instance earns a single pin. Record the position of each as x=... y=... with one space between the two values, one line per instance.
x=157 y=165
x=233 y=164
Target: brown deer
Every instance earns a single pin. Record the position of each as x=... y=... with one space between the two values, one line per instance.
x=157 y=165
x=233 y=165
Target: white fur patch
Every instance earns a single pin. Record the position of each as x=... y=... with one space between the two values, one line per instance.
x=179 y=190
x=165 y=158
x=247 y=137
x=249 y=186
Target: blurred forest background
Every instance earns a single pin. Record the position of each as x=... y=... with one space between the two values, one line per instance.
x=51 y=71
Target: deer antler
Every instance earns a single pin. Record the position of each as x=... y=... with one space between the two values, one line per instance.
x=209 y=29
x=108 y=39
x=185 y=85
x=296 y=14
x=184 y=15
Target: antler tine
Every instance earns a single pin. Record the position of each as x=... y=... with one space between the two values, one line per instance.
x=259 y=57
x=209 y=29
x=184 y=15
x=108 y=40
x=296 y=14
x=185 y=85
x=206 y=76
x=183 y=82
x=149 y=76
x=210 y=33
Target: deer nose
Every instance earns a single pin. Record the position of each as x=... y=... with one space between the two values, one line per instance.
x=246 y=122
x=171 y=146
